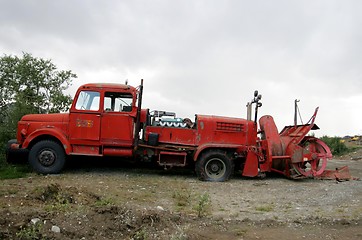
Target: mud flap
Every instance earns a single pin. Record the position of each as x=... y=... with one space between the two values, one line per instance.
x=251 y=165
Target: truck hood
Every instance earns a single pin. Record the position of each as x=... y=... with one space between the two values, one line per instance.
x=53 y=117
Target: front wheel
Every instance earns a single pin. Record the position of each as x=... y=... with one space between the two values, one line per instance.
x=214 y=166
x=47 y=157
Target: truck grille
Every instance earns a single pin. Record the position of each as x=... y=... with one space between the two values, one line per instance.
x=225 y=126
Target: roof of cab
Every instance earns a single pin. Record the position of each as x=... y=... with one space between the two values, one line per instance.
x=107 y=86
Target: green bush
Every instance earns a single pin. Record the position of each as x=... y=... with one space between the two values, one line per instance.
x=28 y=85
x=334 y=143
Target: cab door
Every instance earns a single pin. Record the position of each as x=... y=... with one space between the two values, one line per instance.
x=85 y=123
x=118 y=117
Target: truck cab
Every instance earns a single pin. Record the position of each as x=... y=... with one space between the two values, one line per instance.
x=100 y=122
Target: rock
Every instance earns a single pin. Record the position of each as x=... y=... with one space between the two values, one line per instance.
x=34 y=221
x=160 y=208
x=55 y=229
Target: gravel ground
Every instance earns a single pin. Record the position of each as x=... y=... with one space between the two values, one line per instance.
x=125 y=203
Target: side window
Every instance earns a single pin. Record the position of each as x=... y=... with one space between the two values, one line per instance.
x=118 y=102
x=88 y=100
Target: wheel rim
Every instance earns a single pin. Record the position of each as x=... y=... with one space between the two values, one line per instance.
x=315 y=166
x=47 y=157
x=215 y=168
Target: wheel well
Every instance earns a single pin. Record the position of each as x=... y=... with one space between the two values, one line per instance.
x=227 y=151
x=44 y=137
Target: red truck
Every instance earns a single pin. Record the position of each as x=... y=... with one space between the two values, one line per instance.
x=108 y=120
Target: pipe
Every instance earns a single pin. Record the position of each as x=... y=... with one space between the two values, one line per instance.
x=295 y=111
x=138 y=117
x=248 y=114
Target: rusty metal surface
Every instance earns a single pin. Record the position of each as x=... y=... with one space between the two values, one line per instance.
x=339 y=174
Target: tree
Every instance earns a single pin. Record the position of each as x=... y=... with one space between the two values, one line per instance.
x=30 y=85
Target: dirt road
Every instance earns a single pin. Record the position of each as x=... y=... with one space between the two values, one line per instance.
x=125 y=203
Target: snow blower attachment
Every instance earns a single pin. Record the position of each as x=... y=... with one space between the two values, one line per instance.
x=294 y=154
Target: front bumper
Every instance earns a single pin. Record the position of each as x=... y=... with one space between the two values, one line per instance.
x=14 y=153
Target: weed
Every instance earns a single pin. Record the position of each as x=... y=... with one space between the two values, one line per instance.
x=50 y=192
x=179 y=236
x=265 y=208
x=241 y=232
x=203 y=204
x=141 y=234
x=30 y=232
x=289 y=205
x=60 y=204
x=182 y=198
x=104 y=202
x=53 y=194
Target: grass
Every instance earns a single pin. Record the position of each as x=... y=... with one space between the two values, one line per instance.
x=265 y=208
x=104 y=202
x=9 y=171
x=141 y=234
x=30 y=232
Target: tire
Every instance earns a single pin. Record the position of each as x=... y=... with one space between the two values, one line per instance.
x=214 y=166
x=47 y=157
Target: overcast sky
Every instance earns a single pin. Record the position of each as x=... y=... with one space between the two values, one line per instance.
x=208 y=56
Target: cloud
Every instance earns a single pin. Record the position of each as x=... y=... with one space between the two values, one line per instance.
x=205 y=56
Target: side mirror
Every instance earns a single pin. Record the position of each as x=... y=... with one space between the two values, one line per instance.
x=259 y=96
x=255 y=93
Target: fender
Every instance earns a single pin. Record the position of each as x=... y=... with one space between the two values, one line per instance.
x=51 y=132
x=213 y=145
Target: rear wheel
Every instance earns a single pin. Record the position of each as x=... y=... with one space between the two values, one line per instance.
x=47 y=157
x=214 y=166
